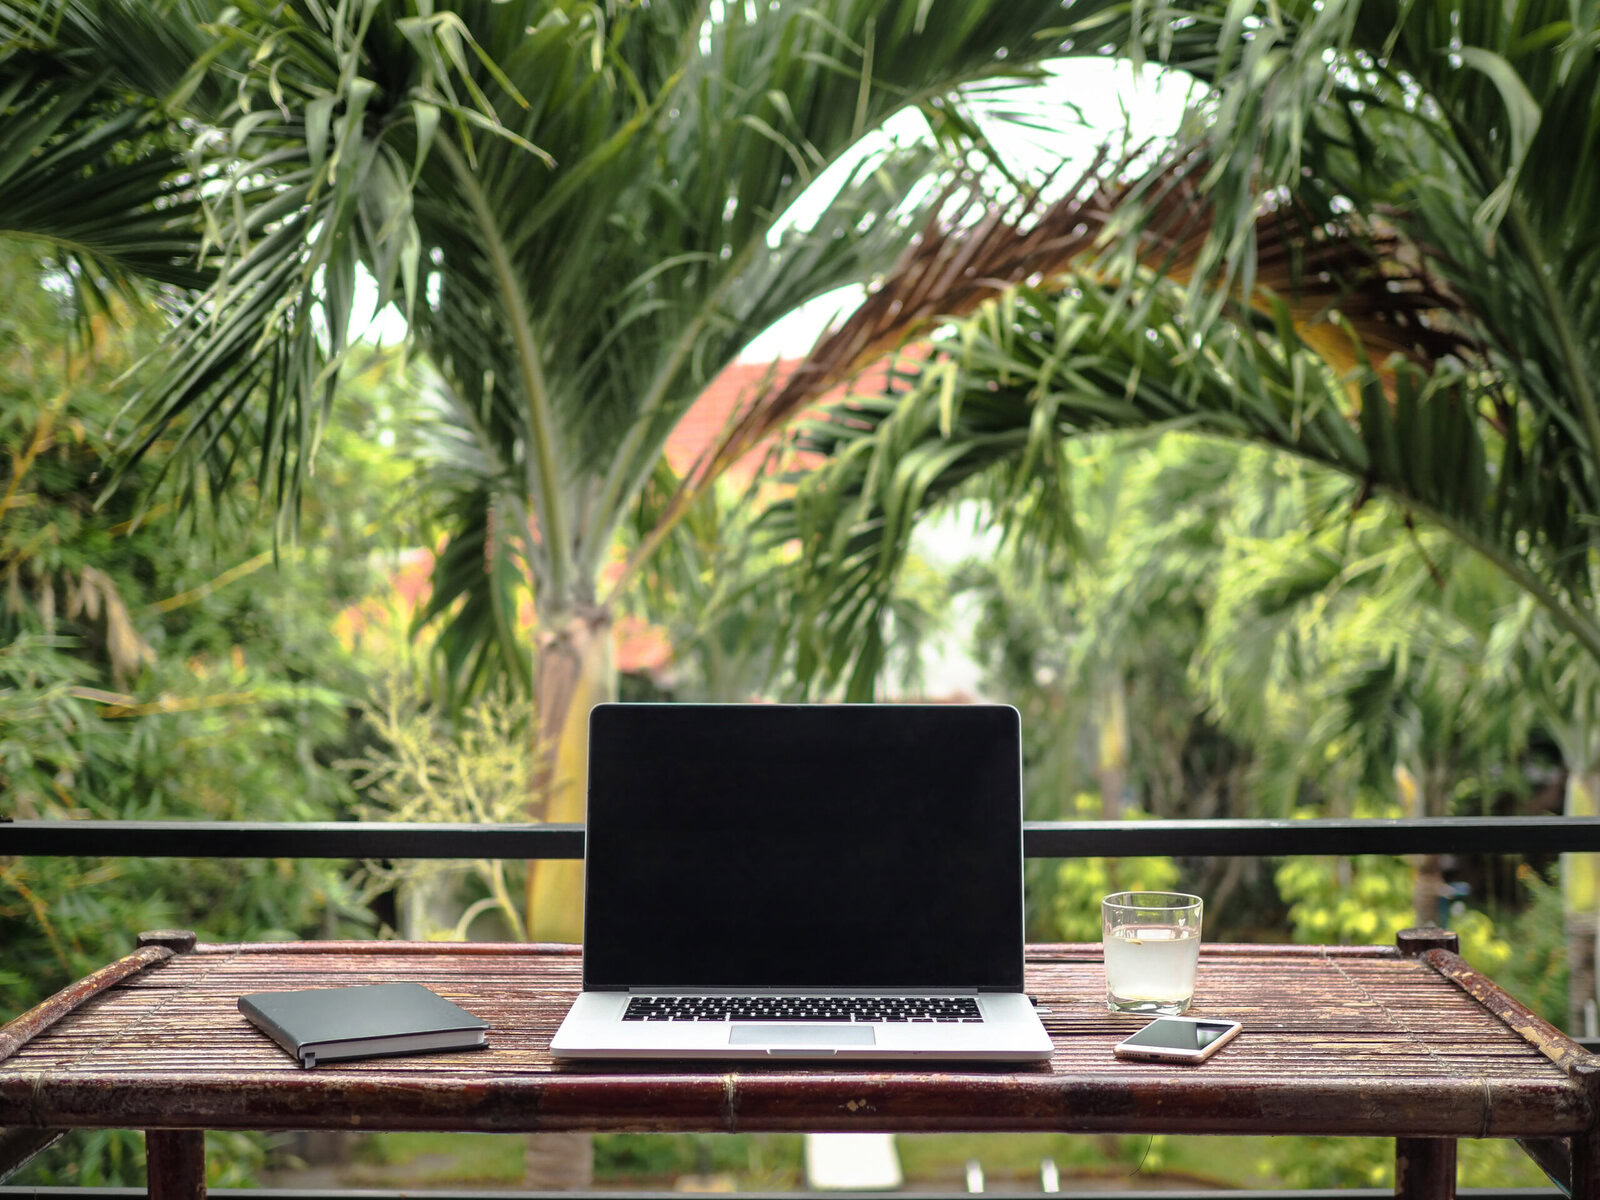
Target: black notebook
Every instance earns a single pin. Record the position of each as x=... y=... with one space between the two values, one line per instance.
x=371 y=1021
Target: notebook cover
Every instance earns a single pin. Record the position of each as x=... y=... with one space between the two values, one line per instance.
x=313 y=1023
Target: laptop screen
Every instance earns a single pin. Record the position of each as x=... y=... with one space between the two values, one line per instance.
x=804 y=846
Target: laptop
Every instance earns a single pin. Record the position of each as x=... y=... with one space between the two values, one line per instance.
x=803 y=881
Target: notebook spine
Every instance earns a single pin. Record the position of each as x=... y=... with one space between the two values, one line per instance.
x=276 y=1032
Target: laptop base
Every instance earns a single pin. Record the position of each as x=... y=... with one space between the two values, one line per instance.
x=1009 y=1032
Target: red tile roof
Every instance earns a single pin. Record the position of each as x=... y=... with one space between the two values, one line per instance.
x=698 y=429
x=739 y=383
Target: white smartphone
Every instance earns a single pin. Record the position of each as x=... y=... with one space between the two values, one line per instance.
x=1179 y=1039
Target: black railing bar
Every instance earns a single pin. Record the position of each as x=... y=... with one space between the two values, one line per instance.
x=288 y=839
x=1041 y=839
x=1274 y=838
x=600 y=1193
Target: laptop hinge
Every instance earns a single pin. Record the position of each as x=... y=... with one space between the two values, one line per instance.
x=667 y=990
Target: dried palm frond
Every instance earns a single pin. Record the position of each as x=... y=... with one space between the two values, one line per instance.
x=1354 y=292
x=95 y=596
x=1355 y=289
x=1387 y=302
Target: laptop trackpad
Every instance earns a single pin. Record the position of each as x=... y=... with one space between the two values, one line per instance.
x=800 y=1035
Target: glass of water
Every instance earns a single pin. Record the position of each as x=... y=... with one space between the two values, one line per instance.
x=1152 y=942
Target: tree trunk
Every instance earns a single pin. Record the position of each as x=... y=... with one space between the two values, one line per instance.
x=575 y=671
x=1580 y=887
x=1428 y=798
x=1426 y=887
x=1111 y=755
x=1111 y=763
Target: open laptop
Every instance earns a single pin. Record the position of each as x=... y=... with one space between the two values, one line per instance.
x=803 y=881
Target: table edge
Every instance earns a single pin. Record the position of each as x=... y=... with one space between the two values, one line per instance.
x=19 y=1032
x=1533 y=1029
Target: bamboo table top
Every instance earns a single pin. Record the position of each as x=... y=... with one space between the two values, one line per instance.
x=1335 y=1041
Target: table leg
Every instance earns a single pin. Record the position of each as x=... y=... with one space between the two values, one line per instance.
x=1425 y=1168
x=1586 y=1166
x=175 y=1163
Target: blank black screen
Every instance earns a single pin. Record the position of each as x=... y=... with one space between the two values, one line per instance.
x=1179 y=1035
x=804 y=846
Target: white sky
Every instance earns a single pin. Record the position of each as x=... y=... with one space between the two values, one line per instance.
x=1085 y=103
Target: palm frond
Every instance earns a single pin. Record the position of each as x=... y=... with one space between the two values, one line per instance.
x=579 y=311
x=579 y=207
x=479 y=583
x=1451 y=124
x=1375 y=278
x=95 y=181
x=1332 y=277
x=1038 y=366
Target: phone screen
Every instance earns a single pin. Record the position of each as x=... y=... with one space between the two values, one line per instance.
x=1162 y=1034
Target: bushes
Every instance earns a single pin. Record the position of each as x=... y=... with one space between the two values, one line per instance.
x=152 y=667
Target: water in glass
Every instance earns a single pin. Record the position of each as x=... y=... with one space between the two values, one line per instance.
x=1150 y=968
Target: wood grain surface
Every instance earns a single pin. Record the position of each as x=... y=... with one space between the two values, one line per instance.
x=1335 y=1041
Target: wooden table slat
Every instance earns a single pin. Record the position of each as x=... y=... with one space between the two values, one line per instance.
x=1336 y=1041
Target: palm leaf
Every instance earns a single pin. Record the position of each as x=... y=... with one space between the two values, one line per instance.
x=1415 y=317
x=1062 y=364
x=1450 y=124
x=94 y=181
x=580 y=311
x=579 y=208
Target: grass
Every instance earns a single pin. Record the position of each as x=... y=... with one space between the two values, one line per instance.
x=391 y=1159
x=760 y=1162
x=773 y=1162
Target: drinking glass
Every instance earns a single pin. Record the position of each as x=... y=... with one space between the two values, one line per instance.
x=1152 y=942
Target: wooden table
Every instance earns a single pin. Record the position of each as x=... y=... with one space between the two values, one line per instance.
x=1409 y=1043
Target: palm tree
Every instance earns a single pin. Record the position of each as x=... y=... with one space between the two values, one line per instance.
x=584 y=210
x=1375 y=252
x=1365 y=655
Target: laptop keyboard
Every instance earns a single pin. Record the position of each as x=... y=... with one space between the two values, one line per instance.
x=802 y=1008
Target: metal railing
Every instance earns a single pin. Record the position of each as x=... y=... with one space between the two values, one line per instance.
x=1040 y=839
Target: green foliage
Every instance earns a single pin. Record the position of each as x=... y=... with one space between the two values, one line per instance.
x=425 y=768
x=1537 y=973
x=152 y=670
x=712 y=590
x=1097 y=643
x=1080 y=883
x=717 y=589
x=763 y=1161
x=113 y=1157
x=1366 y=900
x=413 y=1159
x=137 y=683
x=1227 y=638
x=585 y=215
x=1392 y=145
x=1330 y=1162
x=96 y=178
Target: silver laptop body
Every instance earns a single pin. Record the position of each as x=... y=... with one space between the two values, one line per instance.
x=803 y=881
